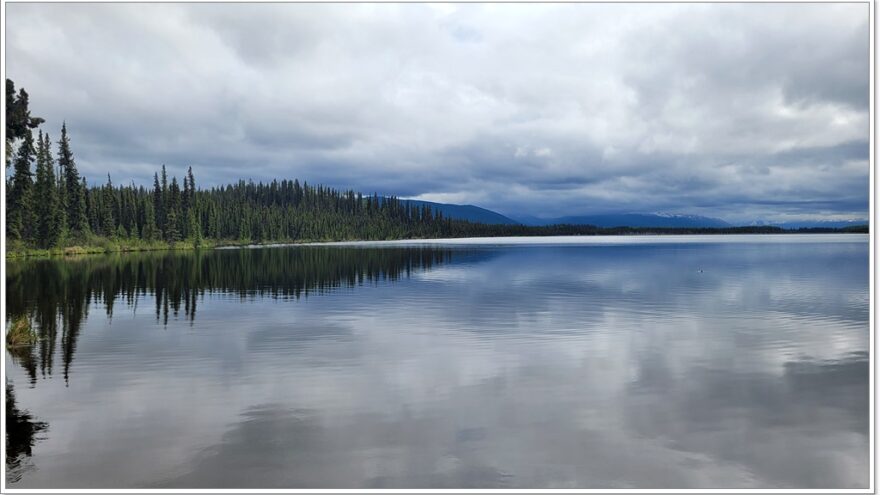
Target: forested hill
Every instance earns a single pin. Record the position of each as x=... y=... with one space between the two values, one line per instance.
x=64 y=211
x=49 y=205
x=470 y=213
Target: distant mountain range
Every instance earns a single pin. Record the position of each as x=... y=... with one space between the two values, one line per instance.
x=470 y=213
x=477 y=214
x=630 y=220
x=828 y=224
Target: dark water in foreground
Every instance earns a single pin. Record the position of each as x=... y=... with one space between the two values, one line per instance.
x=587 y=366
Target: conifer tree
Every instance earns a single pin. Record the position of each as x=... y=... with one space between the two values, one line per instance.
x=92 y=200
x=158 y=206
x=18 y=117
x=162 y=215
x=194 y=229
x=150 y=231
x=171 y=232
x=77 y=221
x=46 y=208
x=184 y=208
x=106 y=210
x=191 y=199
x=172 y=207
x=20 y=207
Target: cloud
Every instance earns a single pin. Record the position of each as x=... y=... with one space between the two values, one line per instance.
x=738 y=111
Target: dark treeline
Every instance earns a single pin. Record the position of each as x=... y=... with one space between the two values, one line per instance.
x=279 y=211
x=50 y=205
x=56 y=294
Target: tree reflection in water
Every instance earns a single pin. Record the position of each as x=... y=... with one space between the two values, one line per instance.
x=21 y=434
x=56 y=295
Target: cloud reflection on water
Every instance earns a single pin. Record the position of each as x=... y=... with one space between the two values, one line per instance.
x=497 y=367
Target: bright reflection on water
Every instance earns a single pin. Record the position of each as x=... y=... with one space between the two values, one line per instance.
x=593 y=366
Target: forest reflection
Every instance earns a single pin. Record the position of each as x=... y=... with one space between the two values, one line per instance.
x=21 y=434
x=57 y=293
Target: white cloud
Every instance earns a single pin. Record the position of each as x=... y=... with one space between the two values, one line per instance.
x=728 y=110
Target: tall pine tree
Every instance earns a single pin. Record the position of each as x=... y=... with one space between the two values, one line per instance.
x=77 y=221
x=20 y=207
x=18 y=117
x=61 y=190
x=46 y=206
x=150 y=231
x=193 y=228
x=173 y=216
x=108 y=227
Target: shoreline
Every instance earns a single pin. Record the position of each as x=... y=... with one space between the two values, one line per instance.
x=603 y=239
x=647 y=237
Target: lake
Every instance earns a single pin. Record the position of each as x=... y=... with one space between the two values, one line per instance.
x=603 y=362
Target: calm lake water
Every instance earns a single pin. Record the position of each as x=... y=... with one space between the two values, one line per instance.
x=680 y=362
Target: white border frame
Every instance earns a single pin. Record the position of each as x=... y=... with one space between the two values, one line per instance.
x=872 y=267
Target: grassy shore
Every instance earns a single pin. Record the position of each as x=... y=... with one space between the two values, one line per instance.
x=102 y=245
x=20 y=333
x=20 y=337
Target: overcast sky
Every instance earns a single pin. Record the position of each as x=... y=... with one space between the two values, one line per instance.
x=735 y=111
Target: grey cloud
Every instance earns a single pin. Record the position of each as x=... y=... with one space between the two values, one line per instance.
x=536 y=109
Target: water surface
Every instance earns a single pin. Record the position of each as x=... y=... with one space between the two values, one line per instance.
x=645 y=362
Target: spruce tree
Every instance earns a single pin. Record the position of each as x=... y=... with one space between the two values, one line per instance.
x=193 y=228
x=175 y=205
x=61 y=195
x=18 y=117
x=158 y=206
x=46 y=208
x=150 y=231
x=195 y=232
x=162 y=215
x=20 y=207
x=92 y=200
x=191 y=200
x=172 y=207
x=184 y=207
x=108 y=227
x=77 y=221
x=172 y=234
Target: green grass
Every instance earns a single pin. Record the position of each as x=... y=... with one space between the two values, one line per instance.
x=100 y=245
x=20 y=333
x=93 y=244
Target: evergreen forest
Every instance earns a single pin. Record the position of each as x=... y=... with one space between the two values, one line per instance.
x=50 y=206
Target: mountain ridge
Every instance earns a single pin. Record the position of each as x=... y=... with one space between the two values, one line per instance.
x=478 y=214
x=629 y=220
x=471 y=213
